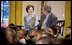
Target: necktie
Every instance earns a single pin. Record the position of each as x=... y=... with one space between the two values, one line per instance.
x=43 y=24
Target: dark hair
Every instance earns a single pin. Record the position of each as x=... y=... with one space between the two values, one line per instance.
x=41 y=32
x=29 y=7
x=47 y=8
x=12 y=26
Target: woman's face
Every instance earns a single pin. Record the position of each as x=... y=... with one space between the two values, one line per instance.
x=30 y=10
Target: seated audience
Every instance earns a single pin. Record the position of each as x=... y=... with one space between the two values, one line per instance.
x=11 y=37
x=52 y=31
x=42 y=33
x=22 y=36
x=38 y=34
x=48 y=35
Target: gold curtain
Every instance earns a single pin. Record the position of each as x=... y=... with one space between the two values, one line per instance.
x=15 y=12
x=67 y=15
x=42 y=4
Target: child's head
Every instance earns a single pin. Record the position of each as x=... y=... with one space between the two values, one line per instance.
x=44 y=40
x=21 y=33
x=38 y=34
x=33 y=32
x=49 y=30
x=42 y=33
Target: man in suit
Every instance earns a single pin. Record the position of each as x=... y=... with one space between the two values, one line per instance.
x=47 y=19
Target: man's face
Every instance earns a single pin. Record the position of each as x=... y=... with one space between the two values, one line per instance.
x=44 y=12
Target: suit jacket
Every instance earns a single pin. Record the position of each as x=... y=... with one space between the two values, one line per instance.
x=51 y=21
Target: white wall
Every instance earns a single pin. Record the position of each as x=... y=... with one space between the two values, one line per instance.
x=37 y=8
x=58 y=8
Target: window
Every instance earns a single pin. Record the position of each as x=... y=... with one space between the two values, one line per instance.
x=4 y=12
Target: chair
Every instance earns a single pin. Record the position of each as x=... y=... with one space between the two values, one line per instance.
x=61 y=24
